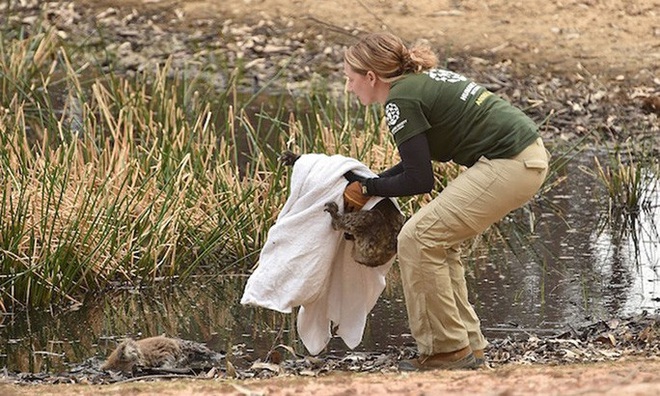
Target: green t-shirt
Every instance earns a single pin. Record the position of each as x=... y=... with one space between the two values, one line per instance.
x=462 y=120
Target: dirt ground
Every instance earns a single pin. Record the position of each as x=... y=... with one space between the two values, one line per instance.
x=614 y=39
x=609 y=37
x=636 y=377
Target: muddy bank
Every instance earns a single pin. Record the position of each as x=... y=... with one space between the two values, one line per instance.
x=603 y=341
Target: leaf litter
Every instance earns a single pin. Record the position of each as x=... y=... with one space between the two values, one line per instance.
x=606 y=340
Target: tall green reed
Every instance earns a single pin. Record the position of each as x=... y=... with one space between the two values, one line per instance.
x=128 y=181
x=109 y=180
x=143 y=188
x=627 y=176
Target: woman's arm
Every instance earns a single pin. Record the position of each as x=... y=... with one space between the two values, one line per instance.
x=413 y=175
x=393 y=171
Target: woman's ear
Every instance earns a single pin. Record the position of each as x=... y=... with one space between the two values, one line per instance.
x=372 y=78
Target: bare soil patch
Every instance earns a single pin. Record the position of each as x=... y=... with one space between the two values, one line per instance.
x=636 y=377
x=608 y=37
x=576 y=66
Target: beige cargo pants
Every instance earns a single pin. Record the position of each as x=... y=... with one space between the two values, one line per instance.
x=440 y=316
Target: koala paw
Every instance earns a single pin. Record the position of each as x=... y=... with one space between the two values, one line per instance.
x=331 y=207
x=288 y=158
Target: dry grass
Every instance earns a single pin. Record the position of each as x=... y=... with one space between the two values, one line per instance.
x=110 y=180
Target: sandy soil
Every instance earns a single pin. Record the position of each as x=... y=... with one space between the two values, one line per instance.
x=639 y=377
x=617 y=40
x=609 y=37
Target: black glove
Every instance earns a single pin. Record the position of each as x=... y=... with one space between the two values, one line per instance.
x=351 y=177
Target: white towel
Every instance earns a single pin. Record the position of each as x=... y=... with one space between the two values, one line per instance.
x=306 y=263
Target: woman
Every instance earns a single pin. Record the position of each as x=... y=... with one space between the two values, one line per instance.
x=439 y=115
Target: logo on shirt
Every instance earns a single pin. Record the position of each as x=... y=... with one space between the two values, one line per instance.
x=392 y=113
x=445 y=76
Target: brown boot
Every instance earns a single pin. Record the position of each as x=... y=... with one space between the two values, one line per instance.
x=479 y=358
x=457 y=360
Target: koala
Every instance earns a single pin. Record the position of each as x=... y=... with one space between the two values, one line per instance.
x=158 y=352
x=374 y=232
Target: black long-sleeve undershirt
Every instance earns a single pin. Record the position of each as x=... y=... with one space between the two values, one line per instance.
x=412 y=176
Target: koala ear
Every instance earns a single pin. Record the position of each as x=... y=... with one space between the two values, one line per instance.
x=129 y=349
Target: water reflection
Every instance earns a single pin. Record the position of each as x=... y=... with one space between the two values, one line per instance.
x=574 y=269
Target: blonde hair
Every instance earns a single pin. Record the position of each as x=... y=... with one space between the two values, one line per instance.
x=388 y=56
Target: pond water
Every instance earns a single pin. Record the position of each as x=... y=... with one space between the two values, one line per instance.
x=577 y=267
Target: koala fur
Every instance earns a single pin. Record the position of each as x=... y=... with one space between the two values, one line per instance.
x=374 y=232
x=158 y=352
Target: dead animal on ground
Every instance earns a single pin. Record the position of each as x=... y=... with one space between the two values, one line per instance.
x=374 y=231
x=159 y=352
